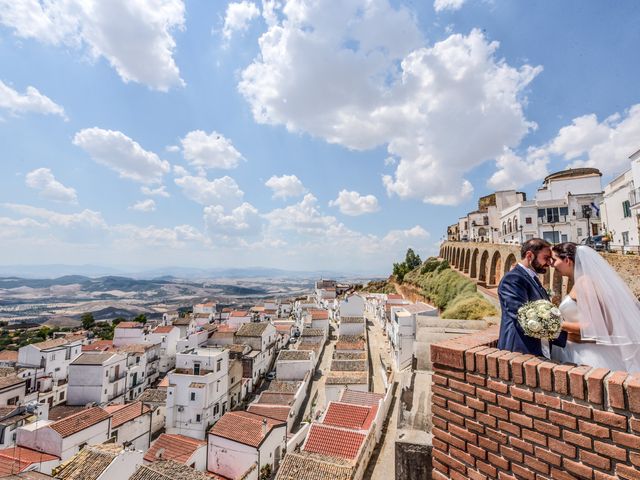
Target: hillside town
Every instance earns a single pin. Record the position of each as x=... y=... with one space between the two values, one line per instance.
x=569 y=206
x=288 y=389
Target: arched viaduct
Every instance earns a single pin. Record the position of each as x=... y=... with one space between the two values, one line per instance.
x=486 y=264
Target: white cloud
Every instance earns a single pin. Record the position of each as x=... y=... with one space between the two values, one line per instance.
x=220 y=191
x=285 y=186
x=238 y=17
x=269 y=11
x=43 y=180
x=405 y=237
x=604 y=145
x=155 y=192
x=32 y=101
x=172 y=148
x=353 y=204
x=115 y=150
x=209 y=150
x=134 y=36
x=514 y=171
x=243 y=220
x=134 y=236
x=148 y=205
x=357 y=73
x=86 y=217
x=303 y=217
x=440 y=5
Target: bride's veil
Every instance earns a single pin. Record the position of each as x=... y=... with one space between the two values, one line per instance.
x=609 y=312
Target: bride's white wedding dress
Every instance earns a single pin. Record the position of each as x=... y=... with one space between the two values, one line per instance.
x=592 y=354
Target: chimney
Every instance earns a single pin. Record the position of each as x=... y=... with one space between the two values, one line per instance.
x=264 y=427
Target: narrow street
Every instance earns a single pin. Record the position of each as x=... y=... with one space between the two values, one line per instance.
x=318 y=381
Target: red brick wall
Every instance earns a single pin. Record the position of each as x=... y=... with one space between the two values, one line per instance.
x=504 y=415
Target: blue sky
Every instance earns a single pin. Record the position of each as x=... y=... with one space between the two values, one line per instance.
x=294 y=134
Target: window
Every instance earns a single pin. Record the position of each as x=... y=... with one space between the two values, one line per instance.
x=626 y=209
x=216 y=409
x=13 y=401
x=579 y=231
x=541 y=213
x=193 y=396
x=528 y=220
x=198 y=418
x=61 y=396
x=218 y=364
x=196 y=368
x=106 y=374
x=137 y=360
x=625 y=238
x=564 y=211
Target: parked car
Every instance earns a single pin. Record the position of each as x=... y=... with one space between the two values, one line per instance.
x=594 y=242
x=293 y=340
x=271 y=375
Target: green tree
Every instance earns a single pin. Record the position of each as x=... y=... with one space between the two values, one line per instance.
x=87 y=320
x=400 y=270
x=44 y=332
x=412 y=259
x=142 y=318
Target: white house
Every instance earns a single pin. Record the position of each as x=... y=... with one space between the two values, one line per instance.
x=100 y=462
x=127 y=333
x=170 y=316
x=261 y=337
x=241 y=444
x=186 y=325
x=142 y=367
x=617 y=216
x=207 y=307
x=167 y=337
x=238 y=318
x=19 y=459
x=131 y=424
x=8 y=358
x=352 y=326
x=12 y=390
x=294 y=364
x=634 y=195
x=64 y=438
x=156 y=400
x=179 y=448
x=197 y=391
x=352 y=306
x=97 y=378
x=402 y=331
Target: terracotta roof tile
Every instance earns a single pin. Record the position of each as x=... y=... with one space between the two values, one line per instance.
x=313 y=466
x=294 y=355
x=130 y=325
x=98 y=346
x=9 y=355
x=17 y=459
x=239 y=313
x=179 y=448
x=164 y=329
x=224 y=328
x=284 y=386
x=334 y=442
x=346 y=415
x=243 y=427
x=313 y=332
x=168 y=470
x=253 y=329
x=79 y=421
x=271 y=398
x=319 y=314
x=56 y=342
x=121 y=414
x=349 y=366
x=10 y=381
x=361 y=398
x=277 y=412
x=347 y=378
x=89 y=463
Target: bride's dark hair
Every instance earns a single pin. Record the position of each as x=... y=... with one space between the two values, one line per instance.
x=565 y=250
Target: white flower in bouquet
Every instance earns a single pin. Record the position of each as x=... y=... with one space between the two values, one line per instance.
x=540 y=319
x=534 y=326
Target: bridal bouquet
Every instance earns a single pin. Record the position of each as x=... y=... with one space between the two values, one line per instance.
x=540 y=319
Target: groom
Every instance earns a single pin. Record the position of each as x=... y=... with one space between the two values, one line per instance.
x=519 y=286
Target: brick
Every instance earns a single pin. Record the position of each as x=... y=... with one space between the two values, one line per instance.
x=461 y=409
x=536 y=464
x=486 y=395
x=477 y=451
x=504 y=365
x=497 y=386
x=523 y=472
x=458 y=476
x=521 y=419
x=506 y=476
x=521 y=393
x=486 y=419
x=603 y=476
x=628 y=473
x=462 y=386
x=535 y=437
x=544 y=375
x=481 y=360
x=517 y=368
x=449 y=461
x=595 y=385
x=594 y=460
x=614 y=387
x=462 y=456
x=473 y=426
x=440 y=467
x=439 y=380
x=508 y=402
x=488 y=444
x=497 y=412
x=448 y=354
x=475 y=403
x=576 y=438
x=448 y=438
x=610 y=451
x=499 y=437
x=531 y=372
x=633 y=393
x=487 y=469
x=447 y=415
x=498 y=461
x=440 y=445
x=627 y=439
x=546 y=428
x=440 y=401
x=561 y=378
x=469 y=357
x=511 y=454
x=561 y=475
x=492 y=363
x=473 y=475
x=547 y=400
x=463 y=434
x=577 y=381
x=534 y=411
x=476 y=379
x=563 y=419
x=509 y=427
x=548 y=456
x=446 y=393
x=576 y=409
x=634 y=424
x=521 y=445
x=592 y=429
x=439 y=422
x=610 y=418
x=447 y=371
x=577 y=468
x=438 y=475
x=634 y=458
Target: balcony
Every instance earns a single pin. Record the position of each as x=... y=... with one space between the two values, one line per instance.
x=549 y=219
x=190 y=371
x=115 y=378
x=634 y=197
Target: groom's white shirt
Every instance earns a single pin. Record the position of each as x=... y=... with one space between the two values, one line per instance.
x=544 y=344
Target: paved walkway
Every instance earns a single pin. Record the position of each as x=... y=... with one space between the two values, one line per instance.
x=317 y=384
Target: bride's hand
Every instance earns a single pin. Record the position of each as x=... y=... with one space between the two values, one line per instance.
x=573 y=329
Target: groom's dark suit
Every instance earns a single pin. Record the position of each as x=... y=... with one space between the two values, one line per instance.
x=517 y=288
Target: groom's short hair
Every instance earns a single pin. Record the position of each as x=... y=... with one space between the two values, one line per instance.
x=534 y=246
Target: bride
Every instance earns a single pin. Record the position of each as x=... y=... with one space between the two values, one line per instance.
x=600 y=314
